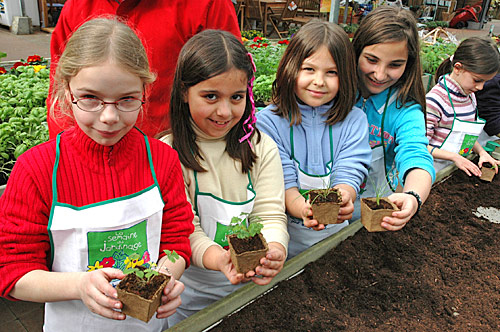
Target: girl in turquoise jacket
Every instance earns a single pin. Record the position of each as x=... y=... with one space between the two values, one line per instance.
x=392 y=95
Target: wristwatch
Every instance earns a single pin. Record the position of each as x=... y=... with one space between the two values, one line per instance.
x=419 y=200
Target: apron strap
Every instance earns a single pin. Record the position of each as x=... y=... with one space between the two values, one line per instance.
x=383 y=141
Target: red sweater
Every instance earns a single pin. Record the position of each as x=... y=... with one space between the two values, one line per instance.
x=164 y=27
x=87 y=173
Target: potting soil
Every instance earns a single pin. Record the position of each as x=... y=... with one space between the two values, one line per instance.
x=439 y=273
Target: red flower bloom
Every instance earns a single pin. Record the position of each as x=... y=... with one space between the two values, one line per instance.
x=256 y=39
x=2 y=70
x=254 y=45
x=265 y=44
x=34 y=58
x=108 y=262
x=19 y=64
x=284 y=42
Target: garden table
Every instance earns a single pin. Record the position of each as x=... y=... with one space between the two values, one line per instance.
x=267 y=6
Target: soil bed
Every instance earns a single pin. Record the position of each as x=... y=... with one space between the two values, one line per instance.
x=440 y=273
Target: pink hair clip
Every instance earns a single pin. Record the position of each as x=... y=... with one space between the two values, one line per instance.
x=248 y=124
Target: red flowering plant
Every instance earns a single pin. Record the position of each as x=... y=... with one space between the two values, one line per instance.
x=35 y=61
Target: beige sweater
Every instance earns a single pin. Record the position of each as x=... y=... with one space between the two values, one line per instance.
x=224 y=179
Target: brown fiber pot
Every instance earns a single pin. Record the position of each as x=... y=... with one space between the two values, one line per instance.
x=371 y=219
x=137 y=306
x=487 y=174
x=326 y=213
x=249 y=260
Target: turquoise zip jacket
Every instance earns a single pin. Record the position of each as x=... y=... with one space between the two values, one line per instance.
x=404 y=134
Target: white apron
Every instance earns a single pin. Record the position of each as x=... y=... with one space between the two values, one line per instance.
x=302 y=237
x=462 y=136
x=379 y=178
x=98 y=235
x=203 y=287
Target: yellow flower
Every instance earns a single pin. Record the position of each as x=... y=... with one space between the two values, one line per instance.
x=244 y=39
x=38 y=67
x=96 y=266
x=131 y=263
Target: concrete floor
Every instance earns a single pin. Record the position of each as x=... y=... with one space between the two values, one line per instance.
x=22 y=46
x=26 y=316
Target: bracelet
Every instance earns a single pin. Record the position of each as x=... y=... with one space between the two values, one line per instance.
x=419 y=200
x=166 y=269
x=432 y=150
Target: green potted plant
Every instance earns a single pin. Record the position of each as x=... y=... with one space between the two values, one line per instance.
x=374 y=209
x=141 y=289
x=325 y=204
x=246 y=243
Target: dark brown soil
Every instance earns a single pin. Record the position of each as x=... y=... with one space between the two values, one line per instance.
x=249 y=244
x=439 y=273
x=325 y=195
x=383 y=205
x=133 y=284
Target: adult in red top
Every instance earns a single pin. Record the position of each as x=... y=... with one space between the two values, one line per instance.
x=164 y=27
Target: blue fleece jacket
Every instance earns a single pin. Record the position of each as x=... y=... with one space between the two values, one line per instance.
x=351 y=152
x=404 y=133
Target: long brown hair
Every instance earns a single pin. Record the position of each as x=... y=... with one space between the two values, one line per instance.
x=477 y=55
x=206 y=55
x=390 y=24
x=311 y=37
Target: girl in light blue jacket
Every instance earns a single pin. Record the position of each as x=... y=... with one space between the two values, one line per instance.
x=321 y=136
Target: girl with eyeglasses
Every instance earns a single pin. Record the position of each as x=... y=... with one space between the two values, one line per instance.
x=77 y=208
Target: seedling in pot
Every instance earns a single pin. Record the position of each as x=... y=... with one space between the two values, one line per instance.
x=325 y=203
x=141 y=289
x=374 y=209
x=246 y=243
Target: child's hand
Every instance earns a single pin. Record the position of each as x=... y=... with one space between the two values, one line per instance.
x=486 y=158
x=271 y=264
x=467 y=166
x=307 y=218
x=347 y=206
x=98 y=294
x=407 y=205
x=171 y=298
x=226 y=266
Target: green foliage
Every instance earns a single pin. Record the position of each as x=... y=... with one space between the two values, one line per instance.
x=239 y=227
x=172 y=255
x=145 y=274
x=149 y=270
x=3 y=55
x=262 y=87
x=266 y=61
x=267 y=58
x=432 y=55
x=430 y=25
x=350 y=28
x=23 y=113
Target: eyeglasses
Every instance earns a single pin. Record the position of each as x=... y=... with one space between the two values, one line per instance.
x=94 y=104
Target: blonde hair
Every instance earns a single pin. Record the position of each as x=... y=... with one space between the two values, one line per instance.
x=95 y=42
